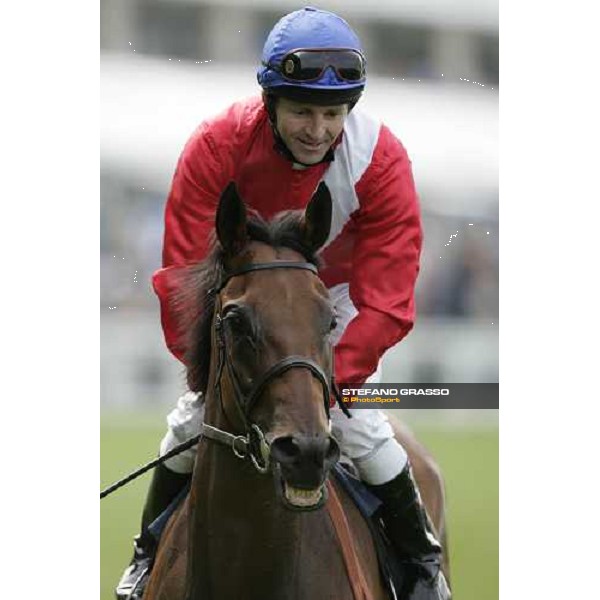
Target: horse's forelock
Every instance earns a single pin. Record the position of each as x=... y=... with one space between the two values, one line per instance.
x=287 y=229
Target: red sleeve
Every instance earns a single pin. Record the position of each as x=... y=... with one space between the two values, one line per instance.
x=385 y=262
x=199 y=179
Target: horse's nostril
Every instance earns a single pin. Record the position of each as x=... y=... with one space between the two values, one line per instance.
x=305 y=460
x=333 y=451
x=305 y=450
x=285 y=449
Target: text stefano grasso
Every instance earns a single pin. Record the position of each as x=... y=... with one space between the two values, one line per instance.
x=396 y=392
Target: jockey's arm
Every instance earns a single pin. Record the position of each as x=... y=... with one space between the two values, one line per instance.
x=199 y=179
x=385 y=263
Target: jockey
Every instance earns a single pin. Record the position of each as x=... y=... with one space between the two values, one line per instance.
x=277 y=148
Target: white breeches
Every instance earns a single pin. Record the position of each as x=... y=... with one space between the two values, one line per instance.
x=367 y=438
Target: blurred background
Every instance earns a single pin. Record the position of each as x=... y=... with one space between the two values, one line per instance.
x=433 y=79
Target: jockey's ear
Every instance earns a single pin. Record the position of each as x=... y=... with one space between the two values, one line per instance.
x=231 y=221
x=317 y=218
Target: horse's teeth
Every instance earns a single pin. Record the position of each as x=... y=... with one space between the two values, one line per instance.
x=301 y=497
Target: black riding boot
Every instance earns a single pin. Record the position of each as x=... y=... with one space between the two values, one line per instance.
x=165 y=486
x=410 y=533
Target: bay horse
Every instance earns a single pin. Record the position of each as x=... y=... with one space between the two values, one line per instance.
x=253 y=526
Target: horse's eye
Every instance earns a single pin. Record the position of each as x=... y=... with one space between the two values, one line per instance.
x=233 y=320
x=232 y=317
x=239 y=324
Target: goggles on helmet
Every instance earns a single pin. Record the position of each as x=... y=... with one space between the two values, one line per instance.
x=305 y=65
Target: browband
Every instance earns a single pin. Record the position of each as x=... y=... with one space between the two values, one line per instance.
x=263 y=266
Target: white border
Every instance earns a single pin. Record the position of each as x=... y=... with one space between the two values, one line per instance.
x=50 y=292
x=549 y=301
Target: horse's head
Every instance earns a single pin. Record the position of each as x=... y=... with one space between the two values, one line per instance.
x=271 y=326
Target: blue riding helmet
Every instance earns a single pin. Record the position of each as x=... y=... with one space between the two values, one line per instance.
x=313 y=55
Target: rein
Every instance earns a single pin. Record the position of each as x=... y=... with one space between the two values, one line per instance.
x=253 y=445
x=239 y=444
x=151 y=465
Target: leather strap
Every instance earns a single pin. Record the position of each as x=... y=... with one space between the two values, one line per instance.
x=280 y=264
x=238 y=443
x=280 y=367
x=356 y=575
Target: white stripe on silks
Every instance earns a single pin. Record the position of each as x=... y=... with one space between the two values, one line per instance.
x=346 y=311
x=352 y=157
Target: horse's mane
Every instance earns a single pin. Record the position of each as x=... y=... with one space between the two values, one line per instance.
x=194 y=302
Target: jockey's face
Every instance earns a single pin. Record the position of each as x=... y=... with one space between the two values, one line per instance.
x=309 y=130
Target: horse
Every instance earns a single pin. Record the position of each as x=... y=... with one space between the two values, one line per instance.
x=254 y=525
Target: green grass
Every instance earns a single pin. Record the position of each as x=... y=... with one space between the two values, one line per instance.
x=469 y=461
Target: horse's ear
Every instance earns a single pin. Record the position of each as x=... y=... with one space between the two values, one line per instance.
x=231 y=222
x=317 y=218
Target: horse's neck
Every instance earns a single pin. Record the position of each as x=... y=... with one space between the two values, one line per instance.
x=240 y=530
x=243 y=543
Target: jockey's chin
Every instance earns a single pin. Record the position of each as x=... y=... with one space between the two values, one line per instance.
x=307 y=152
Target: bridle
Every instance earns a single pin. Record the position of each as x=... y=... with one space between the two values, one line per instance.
x=253 y=445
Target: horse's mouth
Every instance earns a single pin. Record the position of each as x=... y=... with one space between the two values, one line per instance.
x=299 y=499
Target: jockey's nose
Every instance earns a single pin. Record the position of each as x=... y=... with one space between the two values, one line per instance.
x=316 y=127
x=305 y=460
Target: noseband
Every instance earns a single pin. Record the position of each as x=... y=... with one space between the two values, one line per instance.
x=253 y=445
